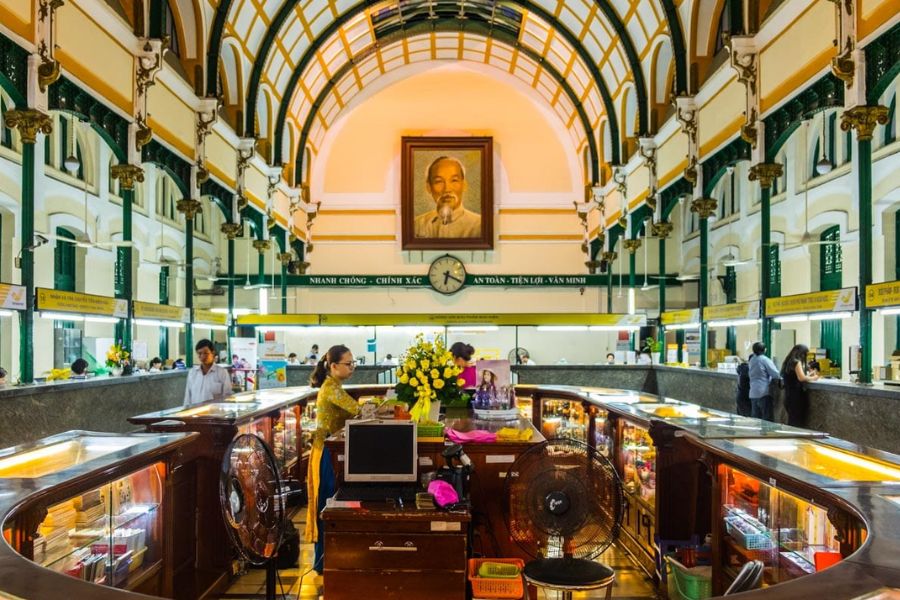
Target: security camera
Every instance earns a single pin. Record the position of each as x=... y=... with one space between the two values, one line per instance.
x=40 y=240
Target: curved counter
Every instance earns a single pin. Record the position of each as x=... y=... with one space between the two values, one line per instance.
x=683 y=465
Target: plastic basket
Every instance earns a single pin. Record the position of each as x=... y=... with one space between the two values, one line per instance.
x=688 y=584
x=750 y=541
x=486 y=587
x=430 y=431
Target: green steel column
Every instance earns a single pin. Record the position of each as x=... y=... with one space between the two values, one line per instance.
x=765 y=288
x=632 y=247
x=864 y=119
x=284 y=273
x=261 y=269
x=704 y=284
x=231 y=319
x=189 y=287
x=662 y=297
x=124 y=256
x=29 y=122
x=26 y=317
x=609 y=287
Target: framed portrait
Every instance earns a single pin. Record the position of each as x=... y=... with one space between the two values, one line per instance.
x=447 y=193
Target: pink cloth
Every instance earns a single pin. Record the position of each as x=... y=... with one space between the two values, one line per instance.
x=468 y=375
x=443 y=493
x=465 y=437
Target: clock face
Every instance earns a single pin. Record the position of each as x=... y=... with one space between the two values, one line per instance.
x=447 y=274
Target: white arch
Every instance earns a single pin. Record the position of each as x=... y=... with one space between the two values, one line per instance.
x=662 y=64
x=232 y=65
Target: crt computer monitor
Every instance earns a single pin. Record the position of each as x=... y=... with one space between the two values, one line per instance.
x=380 y=451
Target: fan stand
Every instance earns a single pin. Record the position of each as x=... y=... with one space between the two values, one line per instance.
x=568 y=575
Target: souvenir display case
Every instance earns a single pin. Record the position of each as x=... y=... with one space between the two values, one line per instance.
x=791 y=536
x=564 y=419
x=638 y=457
x=636 y=463
x=109 y=508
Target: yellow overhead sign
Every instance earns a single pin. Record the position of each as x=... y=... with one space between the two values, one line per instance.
x=880 y=295
x=12 y=297
x=814 y=302
x=730 y=312
x=85 y=304
x=162 y=312
x=680 y=317
x=440 y=320
x=207 y=317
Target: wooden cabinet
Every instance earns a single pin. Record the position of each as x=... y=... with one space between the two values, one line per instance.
x=388 y=553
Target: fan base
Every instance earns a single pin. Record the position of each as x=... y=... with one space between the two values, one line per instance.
x=568 y=575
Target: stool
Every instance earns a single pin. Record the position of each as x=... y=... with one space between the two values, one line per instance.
x=569 y=575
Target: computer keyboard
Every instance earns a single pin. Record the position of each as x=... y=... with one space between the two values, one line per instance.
x=376 y=492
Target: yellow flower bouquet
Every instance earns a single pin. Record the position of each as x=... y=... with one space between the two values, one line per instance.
x=427 y=373
x=117 y=356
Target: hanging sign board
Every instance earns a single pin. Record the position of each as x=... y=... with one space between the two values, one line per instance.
x=729 y=312
x=12 y=297
x=161 y=312
x=880 y=295
x=85 y=304
x=208 y=317
x=680 y=317
x=264 y=320
x=816 y=302
x=523 y=319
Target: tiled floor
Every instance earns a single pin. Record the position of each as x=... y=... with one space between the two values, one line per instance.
x=631 y=583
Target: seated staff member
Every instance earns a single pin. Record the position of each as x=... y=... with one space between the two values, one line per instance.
x=207 y=380
x=462 y=356
x=79 y=369
x=333 y=407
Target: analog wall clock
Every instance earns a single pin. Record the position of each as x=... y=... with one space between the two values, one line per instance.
x=447 y=274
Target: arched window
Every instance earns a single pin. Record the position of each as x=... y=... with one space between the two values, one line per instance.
x=779 y=185
x=171 y=30
x=166 y=192
x=774 y=271
x=691 y=219
x=728 y=194
x=830 y=278
x=6 y=139
x=64 y=261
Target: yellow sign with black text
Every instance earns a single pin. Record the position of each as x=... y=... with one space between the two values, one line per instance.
x=815 y=302
x=456 y=319
x=84 y=304
x=731 y=312
x=203 y=316
x=881 y=295
x=161 y=312
x=680 y=317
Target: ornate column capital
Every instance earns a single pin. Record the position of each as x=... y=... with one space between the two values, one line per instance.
x=188 y=207
x=262 y=245
x=231 y=230
x=285 y=258
x=765 y=173
x=704 y=207
x=661 y=229
x=632 y=245
x=609 y=256
x=127 y=175
x=592 y=266
x=864 y=119
x=29 y=122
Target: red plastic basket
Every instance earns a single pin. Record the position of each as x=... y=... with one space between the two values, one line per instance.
x=484 y=587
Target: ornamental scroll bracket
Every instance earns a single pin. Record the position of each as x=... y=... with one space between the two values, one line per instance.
x=206 y=116
x=843 y=64
x=686 y=114
x=744 y=57
x=48 y=70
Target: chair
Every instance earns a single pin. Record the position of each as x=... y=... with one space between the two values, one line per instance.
x=749 y=578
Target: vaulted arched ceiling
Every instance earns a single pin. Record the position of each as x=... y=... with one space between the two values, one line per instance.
x=282 y=54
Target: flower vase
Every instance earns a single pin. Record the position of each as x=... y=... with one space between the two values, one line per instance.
x=115 y=371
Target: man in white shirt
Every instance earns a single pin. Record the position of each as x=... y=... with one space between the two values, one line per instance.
x=206 y=380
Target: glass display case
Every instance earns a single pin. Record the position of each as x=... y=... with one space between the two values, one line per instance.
x=526 y=406
x=564 y=419
x=64 y=454
x=285 y=434
x=110 y=535
x=602 y=440
x=307 y=427
x=791 y=536
x=638 y=456
x=825 y=461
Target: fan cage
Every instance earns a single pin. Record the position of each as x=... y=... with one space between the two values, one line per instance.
x=569 y=473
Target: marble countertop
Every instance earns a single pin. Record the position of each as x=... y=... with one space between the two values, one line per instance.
x=9 y=392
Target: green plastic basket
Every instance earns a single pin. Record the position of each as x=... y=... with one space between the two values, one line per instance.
x=430 y=431
x=685 y=584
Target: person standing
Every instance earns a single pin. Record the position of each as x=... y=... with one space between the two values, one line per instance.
x=313 y=357
x=462 y=358
x=206 y=380
x=333 y=407
x=796 y=398
x=762 y=374
x=742 y=400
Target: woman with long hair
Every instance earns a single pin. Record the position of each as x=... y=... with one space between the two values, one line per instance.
x=333 y=407
x=793 y=372
x=462 y=357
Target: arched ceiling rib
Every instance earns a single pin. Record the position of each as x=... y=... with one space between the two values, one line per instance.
x=407 y=46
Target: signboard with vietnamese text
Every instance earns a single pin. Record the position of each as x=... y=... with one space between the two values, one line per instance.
x=85 y=304
x=208 y=317
x=680 y=317
x=162 y=312
x=881 y=295
x=444 y=319
x=12 y=297
x=815 y=302
x=730 y=312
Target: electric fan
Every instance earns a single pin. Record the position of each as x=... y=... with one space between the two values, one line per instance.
x=252 y=499
x=563 y=505
x=515 y=355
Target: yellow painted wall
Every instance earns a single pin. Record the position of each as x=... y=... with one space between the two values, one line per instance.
x=170 y=118
x=257 y=185
x=18 y=16
x=874 y=13
x=94 y=56
x=721 y=116
x=220 y=158
x=670 y=158
x=809 y=51
x=447 y=101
